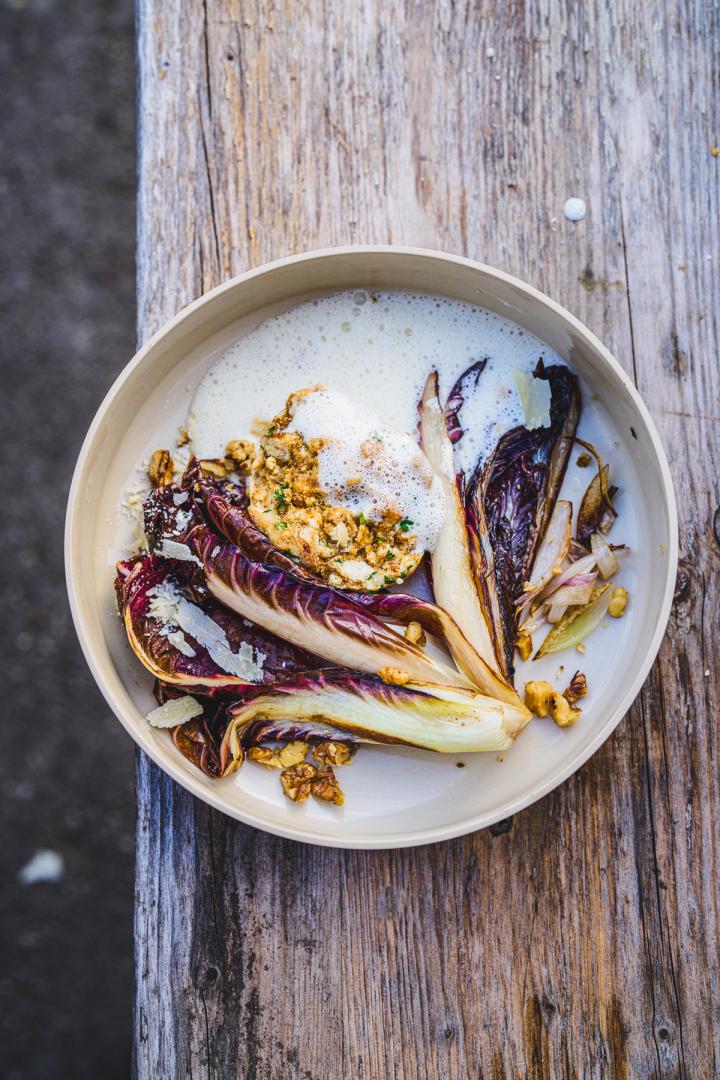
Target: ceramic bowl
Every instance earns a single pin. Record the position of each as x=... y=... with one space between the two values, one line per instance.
x=395 y=797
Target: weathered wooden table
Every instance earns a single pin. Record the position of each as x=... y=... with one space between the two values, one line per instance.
x=580 y=940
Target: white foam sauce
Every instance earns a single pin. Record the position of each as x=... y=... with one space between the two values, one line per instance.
x=390 y=469
x=376 y=352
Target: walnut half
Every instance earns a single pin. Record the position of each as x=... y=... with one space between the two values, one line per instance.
x=524 y=644
x=161 y=469
x=262 y=755
x=577 y=688
x=562 y=711
x=296 y=781
x=326 y=787
x=394 y=676
x=332 y=753
x=241 y=453
x=415 y=634
x=537 y=697
x=292 y=753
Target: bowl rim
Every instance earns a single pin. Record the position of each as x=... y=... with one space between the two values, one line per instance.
x=212 y=796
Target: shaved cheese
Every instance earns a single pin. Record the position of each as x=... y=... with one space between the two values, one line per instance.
x=178 y=639
x=169 y=606
x=172 y=549
x=174 y=712
x=535 y=396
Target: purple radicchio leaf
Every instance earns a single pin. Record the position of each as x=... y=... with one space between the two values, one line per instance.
x=452 y=570
x=464 y=387
x=192 y=642
x=398 y=608
x=443 y=719
x=510 y=499
x=311 y=616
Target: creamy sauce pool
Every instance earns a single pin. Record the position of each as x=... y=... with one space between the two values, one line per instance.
x=376 y=348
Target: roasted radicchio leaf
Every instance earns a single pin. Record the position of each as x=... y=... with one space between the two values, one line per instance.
x=444 y=719
x=311 y=616
x=463 y=388
x=397 y=608
x=188 y=640
x=511 y=497
x=453 y=580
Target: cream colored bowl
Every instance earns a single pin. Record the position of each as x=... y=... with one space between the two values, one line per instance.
x=396 y=797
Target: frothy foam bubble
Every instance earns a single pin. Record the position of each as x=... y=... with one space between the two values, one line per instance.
x=387 y=469
x=356 y=342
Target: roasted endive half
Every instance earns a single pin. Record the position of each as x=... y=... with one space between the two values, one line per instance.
x=445 y=719
x=453 y=578
x=510 y=500
x=310 y=616
x=188 y=641
x=396 y=608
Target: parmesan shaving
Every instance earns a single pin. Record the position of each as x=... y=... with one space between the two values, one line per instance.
x=174 y=712
x=168 y=605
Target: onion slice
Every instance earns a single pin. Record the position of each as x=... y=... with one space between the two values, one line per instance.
x=577 y=623
x=607 y=562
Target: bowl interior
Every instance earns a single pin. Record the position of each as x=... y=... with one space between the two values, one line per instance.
x=393 y=797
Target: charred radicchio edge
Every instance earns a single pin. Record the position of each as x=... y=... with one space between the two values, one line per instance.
x=510 y=499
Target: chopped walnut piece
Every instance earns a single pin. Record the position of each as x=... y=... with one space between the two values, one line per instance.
x=161 y=469
x=326 y=787
x=618 y=603
x=577 y=689
x=562 y=711
x=524 y=644
x=340 y=535
x=293 y=753
x=332 y=753
x=394 y=676
x=537 y=697
x=415 y=634
x=262 y=755
x=369 y=448
x=241 y=452
x=215 y=468
x=583 y=460
x=296 y=781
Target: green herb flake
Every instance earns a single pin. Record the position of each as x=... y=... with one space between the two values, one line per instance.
x=404 y=525
x=362 y=519
x=281 y=500
x=376 y=437
x=280 y=525
x=389 y=580
x=390 y=555
x=270 y=430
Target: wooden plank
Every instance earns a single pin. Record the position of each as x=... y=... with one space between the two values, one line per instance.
x=582 y=941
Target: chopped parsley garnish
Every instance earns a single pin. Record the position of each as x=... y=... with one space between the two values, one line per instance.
x=281 y=502
x=404 y=525
x=389 y=580
x=362 y=519
x=376 y=437
x=270 y=430
x=390 y=555
x=280 y=525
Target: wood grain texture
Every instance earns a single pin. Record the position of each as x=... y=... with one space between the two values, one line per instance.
x=582 y=941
